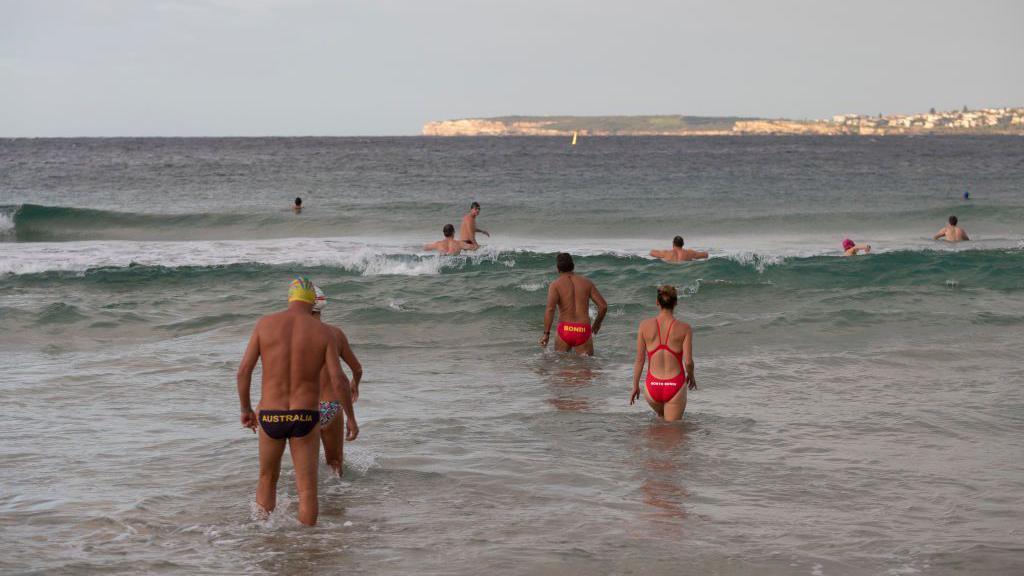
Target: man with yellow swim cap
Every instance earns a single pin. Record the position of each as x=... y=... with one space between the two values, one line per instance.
x=294 y=348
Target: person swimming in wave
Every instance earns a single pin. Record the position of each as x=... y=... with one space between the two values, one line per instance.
x=678 y=253
x=571 y=295
x=951 y=232
x=331 y=396
x=297 y=206
x=447 y=245
x=850 y=248
x=294 y=349
x=468 y=230
x=667 y=347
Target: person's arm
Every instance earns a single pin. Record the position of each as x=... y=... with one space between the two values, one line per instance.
x=353 y=363
x=940 y=234
x=688 y=355
x=340 y=381
x=482 y=231
x=964 y=234
x=243 y=379
x=432 y=246
x=659 y=253
x=602 y=307
x=699 y=255
x=549 y=314
x=638 y=365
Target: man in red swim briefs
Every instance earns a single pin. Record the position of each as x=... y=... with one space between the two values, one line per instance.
x=572 y=294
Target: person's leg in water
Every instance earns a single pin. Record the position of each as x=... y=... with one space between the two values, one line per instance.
x=585 y=349
x=306 y=459
x=271 y=451
x=658 y=407
x=334 y=443
x=561 y=345
x=674 y=408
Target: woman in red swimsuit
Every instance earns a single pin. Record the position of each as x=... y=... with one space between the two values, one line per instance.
x=664 y=343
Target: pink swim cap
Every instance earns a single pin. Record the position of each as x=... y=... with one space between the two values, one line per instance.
x=847 y=244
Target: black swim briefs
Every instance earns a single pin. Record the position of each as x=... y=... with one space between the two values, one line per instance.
x=281 y=424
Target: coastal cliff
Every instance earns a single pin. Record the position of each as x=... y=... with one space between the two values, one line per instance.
x=985 y=121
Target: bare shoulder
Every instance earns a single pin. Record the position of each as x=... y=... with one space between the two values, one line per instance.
x=646 y=325
x=685 y=327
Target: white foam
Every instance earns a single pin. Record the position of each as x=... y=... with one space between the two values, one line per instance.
x=6 y=223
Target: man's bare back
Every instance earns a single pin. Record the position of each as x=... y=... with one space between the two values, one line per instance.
x=294 y=348
x=677 y=253
x=952 y=232
x=571 y=295
x=448 y=244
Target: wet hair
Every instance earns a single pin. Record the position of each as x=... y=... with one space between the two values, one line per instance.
x=474 y=205
x=667 y=297
x=564 y=262
x=677 y=241
x=448 y=230
x=952 y=220
x=298 y=201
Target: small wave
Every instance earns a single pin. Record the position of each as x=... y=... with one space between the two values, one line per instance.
x=755 y=260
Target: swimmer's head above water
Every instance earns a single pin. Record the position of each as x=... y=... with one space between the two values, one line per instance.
x=677 y=241
x=564 y=262
x=667 y=297
x=847 y=244
x=474 y=208
x=952 y=220
x=302 y=290
x=321 y=300
x=448 y=230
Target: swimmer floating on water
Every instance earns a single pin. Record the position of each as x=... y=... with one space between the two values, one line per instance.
x=297 y=206
x=294 y=348
x=667 y=347
x=678 y=253
x=467 y=233
x=850 y=248
x=448 y=245
x=331 y=396
x=571 y=294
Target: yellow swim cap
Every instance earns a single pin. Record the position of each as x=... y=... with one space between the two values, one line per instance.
x=302 y=289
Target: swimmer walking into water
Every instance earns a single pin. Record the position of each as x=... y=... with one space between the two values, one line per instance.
x=448 y=245
x=571 y=295
x=332 y=397
x=951 y=232
x=294 y=348
x=467 y=233
x=678 y=253
x=667 y=347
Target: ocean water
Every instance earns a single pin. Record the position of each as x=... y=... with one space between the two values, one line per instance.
x=855 y=415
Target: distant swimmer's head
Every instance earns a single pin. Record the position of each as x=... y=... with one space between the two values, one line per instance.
x=474 y=208
x=677 y=241
x=952 y=220
x=564 y=262
x=321 y=300
x=448 y=230
x=298 y=201
x=302 y=290
x=667 y=297
x=847 y=244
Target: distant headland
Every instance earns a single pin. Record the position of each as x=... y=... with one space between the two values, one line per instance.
x=964 y=121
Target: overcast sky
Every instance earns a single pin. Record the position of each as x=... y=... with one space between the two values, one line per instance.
x=377 y=67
